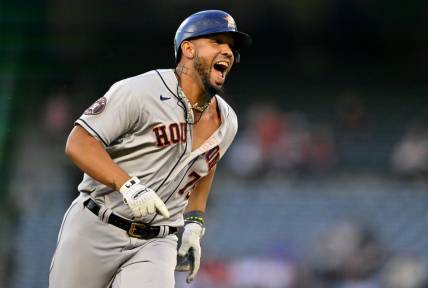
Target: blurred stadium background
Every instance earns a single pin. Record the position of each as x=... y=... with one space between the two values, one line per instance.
x=326 y=184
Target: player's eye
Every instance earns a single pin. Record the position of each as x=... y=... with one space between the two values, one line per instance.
x=216 y=40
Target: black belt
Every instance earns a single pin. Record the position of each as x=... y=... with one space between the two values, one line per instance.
x=134 y=229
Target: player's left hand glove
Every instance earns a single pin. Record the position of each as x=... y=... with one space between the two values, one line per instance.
x=189 y=253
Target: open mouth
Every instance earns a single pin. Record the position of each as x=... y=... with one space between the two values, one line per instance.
x=221 y=66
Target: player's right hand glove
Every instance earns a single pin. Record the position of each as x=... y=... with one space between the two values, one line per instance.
x=189 y=253
x=141 y=199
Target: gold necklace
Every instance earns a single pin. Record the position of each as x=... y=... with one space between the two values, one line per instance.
x=200 y=108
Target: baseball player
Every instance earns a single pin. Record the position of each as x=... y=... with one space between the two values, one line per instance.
x=148 y=149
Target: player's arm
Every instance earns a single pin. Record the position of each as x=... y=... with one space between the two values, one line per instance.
x=189 y=253
x=199 y=197
x=91 y=157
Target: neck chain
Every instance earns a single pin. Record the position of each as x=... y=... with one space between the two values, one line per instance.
x=189 y=113
x=190 y=117
x=200 y=108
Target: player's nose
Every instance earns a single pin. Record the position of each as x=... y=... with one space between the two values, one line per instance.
x=226 y=50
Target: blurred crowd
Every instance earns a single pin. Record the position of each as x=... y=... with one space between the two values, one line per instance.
x=272 y=143
x=275 y=142
x=345 y=255
x=61 y=55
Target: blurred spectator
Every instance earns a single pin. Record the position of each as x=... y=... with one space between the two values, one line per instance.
x=355 y=137
x=410 y=154
x=40 y=155
x=322 y=152
x=246 y=272
x=56 y=116
x=40 y=189
x=290 y=153
x=405 y=272
x=347 y=253
x=213 y=274
x=257 y=272
x=352 y=114
x=257 y=142
x=273 y=143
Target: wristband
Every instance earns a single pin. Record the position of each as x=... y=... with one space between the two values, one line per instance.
x=128 y=184
x=195 y=217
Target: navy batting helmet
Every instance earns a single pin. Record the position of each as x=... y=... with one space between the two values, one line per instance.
x=210 y=22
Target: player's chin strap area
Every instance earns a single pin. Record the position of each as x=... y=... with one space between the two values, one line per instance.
x=134 y=229
x=237 y=56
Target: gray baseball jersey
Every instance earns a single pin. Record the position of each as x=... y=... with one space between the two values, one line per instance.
x=143 y=125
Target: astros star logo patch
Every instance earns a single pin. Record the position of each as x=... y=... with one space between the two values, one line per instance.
x=97 y=107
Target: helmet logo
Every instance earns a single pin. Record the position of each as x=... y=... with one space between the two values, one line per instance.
x=230 y=22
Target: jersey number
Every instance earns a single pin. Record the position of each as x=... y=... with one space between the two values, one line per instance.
x=193 y=178
x=211 y=157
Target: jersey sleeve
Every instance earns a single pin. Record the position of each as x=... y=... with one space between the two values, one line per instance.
x=112 y=115
x=230 y=132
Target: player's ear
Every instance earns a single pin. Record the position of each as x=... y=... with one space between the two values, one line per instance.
x=188 y=49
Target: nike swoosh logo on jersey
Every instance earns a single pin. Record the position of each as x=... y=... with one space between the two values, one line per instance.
x=163 y=98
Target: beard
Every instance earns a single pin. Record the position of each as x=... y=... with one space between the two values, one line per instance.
x=210 y=89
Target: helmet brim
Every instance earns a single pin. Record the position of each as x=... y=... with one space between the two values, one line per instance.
x=241 y=40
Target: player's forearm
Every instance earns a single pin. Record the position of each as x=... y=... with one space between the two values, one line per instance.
x=90 y=156
x=199 y=197
x=197 y=201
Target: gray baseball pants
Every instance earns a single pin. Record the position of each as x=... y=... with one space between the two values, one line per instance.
x=93 y=254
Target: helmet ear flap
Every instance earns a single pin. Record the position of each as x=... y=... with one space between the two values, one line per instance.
x=237 y=56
